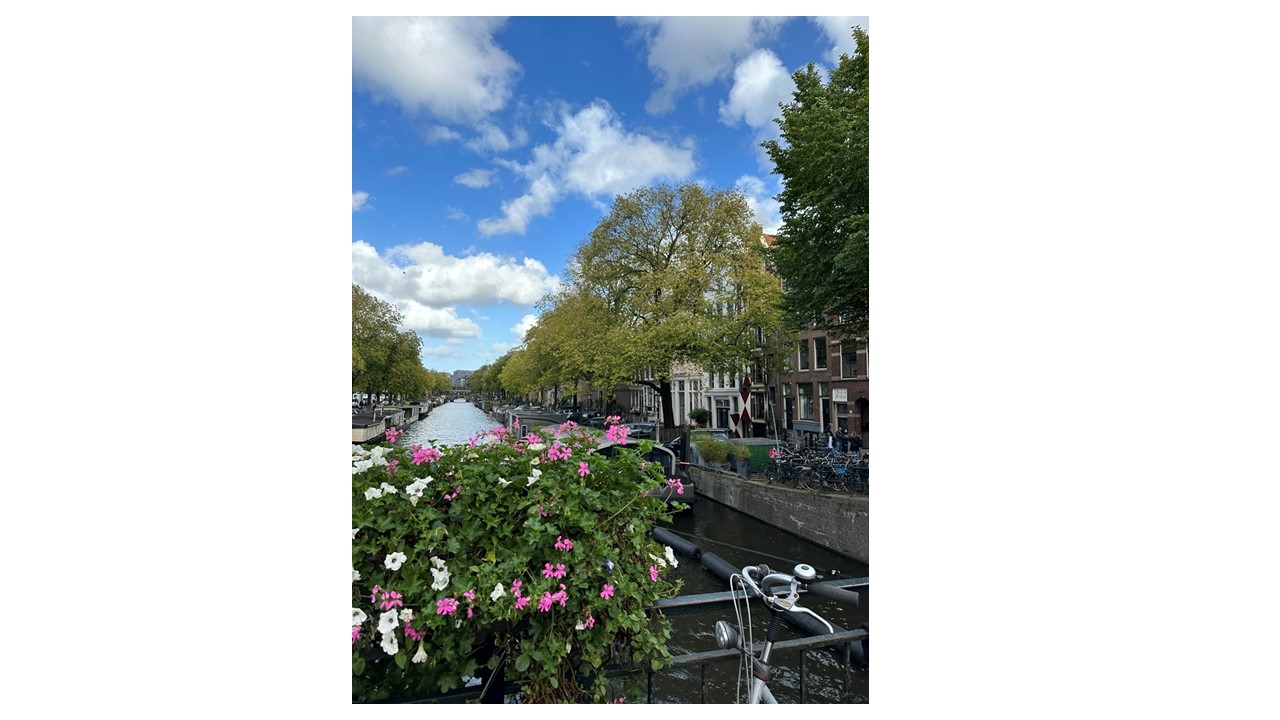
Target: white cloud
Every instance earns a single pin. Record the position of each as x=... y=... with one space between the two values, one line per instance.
x=689 y=52
x=491 y=138
x=456 y=214
x=449 y=66
x=522 y=327
x=439 y=133
x=440 y=322
x=423 y=273
x=767 y=211
x=759 y=83
x=396 y=170
x=839 y=30
x=477 y=178
x=359 y=201
x=593 y=155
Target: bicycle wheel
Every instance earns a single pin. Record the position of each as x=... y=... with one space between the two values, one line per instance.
x=809 y=479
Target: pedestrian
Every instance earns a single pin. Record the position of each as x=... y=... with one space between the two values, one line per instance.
x=831 y=443
x=855 y=444
x=842 y=440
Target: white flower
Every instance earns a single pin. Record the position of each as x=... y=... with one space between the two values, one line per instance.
x=580 y=626
x=406 y=615
x=537 y=447
x=428 y=480
x=472 y=456
x=393 y=560
x=379 y=455
x=503 y=482
x=389 y=644
x=357 y=616
x=498 y=592
x=353 y=532
x=671 y=557
x=359 y=452
x=389 y=488
x=415 y=488
x=421 y=655
x=661 y=562
x=534 y=474
x=442 y=579
x=388 y=621
x=355 y=575
x=361 y=466
x=535 y=460
x=372 y=493
x=437 y=562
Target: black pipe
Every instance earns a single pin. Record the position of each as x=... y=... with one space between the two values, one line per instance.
x=678 y=544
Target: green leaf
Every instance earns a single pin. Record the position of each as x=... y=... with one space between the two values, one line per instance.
x=522 y=662
x=402 y=659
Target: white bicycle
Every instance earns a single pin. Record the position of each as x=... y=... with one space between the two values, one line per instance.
x=760 y=581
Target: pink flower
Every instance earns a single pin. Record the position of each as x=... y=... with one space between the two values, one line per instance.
x=470 y=595
x=558 y=572
x=591 y=622
x=390 y=599
x=515 y=586
x=563 y=543
x=583 y=470
x=355 y=634
x=410 y=632
x=521 y=602
x=773 y=452
x=425 y=455
x=373 y=597
x=392 y=434
x=617 y=433
x=677 y=484
x=447 y=606
x=653 y=572
x=613 y=419
x=607 y=591
x=545 y=603
x=392 y=467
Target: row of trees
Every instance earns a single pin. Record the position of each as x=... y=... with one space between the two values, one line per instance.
x=386 y=359
x=680 y=274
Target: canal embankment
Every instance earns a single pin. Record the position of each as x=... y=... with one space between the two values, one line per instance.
x=838 y=522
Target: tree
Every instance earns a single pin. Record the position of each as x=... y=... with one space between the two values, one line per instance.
x=822 y=247
x=669 y=275
x=384 y=358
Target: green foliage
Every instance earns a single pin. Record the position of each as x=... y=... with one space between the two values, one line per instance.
x=822 y=248
x=671 y=274
x=700 y=415
x=479 y=517
x=385 y=358
x=711 y=449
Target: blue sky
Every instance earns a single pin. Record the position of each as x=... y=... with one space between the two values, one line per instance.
x=484 y=149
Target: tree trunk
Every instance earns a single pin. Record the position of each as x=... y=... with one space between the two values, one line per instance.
x=668 y=415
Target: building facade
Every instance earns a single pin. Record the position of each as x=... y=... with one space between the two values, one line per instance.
x=825 y=387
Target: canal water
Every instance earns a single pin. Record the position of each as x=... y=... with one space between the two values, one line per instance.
x=741 y=540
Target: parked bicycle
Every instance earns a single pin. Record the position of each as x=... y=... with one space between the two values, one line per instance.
x=759 y=581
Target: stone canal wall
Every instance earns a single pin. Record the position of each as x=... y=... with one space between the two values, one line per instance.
x=838 y=522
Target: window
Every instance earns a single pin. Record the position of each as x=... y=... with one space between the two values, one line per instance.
x=820 y=353
x=822 y=389
x=848 y=360
x=804 y=354
x=806 y=400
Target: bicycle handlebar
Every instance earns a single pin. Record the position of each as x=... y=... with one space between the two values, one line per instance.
x=835 y=593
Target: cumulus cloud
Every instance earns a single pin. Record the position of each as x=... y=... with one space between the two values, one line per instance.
x=839 y=30
x=359 y=201
x=593 y=155
x=448 y=66
x=423 y=273
x=491 y=138
x=396 y=170
x=760 y=82
x=442 y=322
x=522 y=327
x=689 y=52
x=439 y=133
x=477 y=178
x=767 y=211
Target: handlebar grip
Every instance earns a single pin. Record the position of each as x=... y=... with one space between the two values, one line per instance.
x=835 y=593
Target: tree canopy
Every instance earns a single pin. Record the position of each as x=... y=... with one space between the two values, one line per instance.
x=671 y=274
x=385 y=358
x=822 y=247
